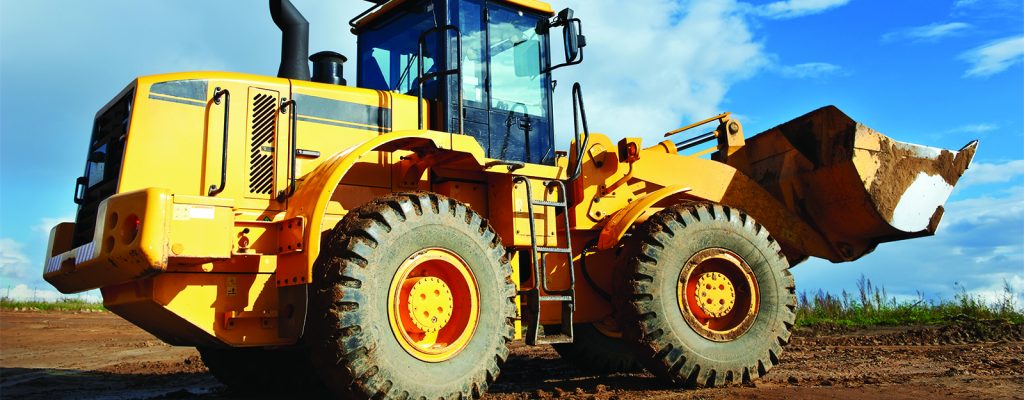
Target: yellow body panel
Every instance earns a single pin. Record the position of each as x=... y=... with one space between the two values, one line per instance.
x=211 y=309
x=627 y=217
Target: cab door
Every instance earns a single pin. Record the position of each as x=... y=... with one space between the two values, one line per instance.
x=506 y=99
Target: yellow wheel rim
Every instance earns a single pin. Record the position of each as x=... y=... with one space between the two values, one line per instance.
x=718 y=294
x=434 y=305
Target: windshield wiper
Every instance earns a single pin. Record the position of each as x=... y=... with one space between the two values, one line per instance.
x=405 y=73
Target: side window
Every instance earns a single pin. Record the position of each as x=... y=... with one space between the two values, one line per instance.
x=388 y=54
x=473 y=39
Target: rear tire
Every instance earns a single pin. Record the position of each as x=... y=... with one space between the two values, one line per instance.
x=654 y=306
x=594 y=351
x=356 y=343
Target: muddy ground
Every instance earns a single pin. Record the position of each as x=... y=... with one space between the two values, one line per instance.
x=99 y=356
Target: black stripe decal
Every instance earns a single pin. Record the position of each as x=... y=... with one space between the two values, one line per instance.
x=342 y=112
x=187 y=89
x=179 y=101
x=344 y=124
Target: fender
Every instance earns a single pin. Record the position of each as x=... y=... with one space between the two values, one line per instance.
x=720 y=183
x=313 y=194
x=309 y=203
x=724 y=184
x=621 y=221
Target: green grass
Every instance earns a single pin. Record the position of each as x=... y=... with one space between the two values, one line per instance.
x=64 y=304
x=870 y=306
x=873 y=306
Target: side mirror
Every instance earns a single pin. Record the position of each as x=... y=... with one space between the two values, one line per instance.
x=527 y=58
x=573 y=40
x=570 y=37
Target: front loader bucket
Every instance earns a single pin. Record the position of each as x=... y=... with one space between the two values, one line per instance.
x=853 y=184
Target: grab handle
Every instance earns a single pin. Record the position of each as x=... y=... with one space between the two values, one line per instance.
x=217 y=94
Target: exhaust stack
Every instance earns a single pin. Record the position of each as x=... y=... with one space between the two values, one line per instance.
x=294 y=40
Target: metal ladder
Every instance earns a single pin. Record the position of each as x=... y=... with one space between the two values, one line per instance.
x=567 y=297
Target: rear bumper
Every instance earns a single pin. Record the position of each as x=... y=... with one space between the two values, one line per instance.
x=136 y=233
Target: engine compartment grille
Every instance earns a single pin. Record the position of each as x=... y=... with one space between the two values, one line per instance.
x=263 y=129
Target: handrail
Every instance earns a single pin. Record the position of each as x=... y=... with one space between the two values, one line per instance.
x=81 y=182
x=696 y=140
x=294 y=133
x=718 y=117
x=421 y=77
x=579 y=113
x=217 y=93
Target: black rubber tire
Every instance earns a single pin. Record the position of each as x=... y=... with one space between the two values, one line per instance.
x=259 y=371
x=595 y=352
x=352 y=344
x=649 y=312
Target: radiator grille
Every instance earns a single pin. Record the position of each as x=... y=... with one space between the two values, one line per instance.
x=263 y=129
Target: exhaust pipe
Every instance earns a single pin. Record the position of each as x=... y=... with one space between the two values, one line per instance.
x=294 y=40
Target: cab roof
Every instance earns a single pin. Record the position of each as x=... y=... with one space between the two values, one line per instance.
x=533 y=5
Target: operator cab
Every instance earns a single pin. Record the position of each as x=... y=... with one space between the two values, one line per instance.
x=505 y=68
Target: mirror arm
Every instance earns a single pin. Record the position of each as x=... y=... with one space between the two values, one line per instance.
x=582 y=40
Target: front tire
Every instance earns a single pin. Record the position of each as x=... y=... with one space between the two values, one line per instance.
x=412 y=298
x=708 y=298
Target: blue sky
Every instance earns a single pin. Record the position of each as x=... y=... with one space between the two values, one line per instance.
x=936 y=72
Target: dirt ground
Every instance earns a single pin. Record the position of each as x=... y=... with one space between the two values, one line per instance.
x=99 y=356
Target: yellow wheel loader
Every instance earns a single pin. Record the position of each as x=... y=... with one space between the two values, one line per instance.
x=392 y=238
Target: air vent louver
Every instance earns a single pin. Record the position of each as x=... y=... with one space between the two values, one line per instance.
x=263 y=129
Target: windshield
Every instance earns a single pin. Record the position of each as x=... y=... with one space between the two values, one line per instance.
x=388 y=55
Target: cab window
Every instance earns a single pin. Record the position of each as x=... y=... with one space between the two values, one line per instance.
x=389 y=56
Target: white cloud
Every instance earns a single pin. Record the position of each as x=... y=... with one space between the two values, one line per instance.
x=796 y=8
x=1000 y=287
x=24 y=293
x=973 y=128
x=994 y=57
x=812 y=70
x=14 y=264
x=990 y=209
x=688 y=54
x=964 y=3
x=44 y=292
x=986 y=173
x=47 y=223
x=930 y=32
